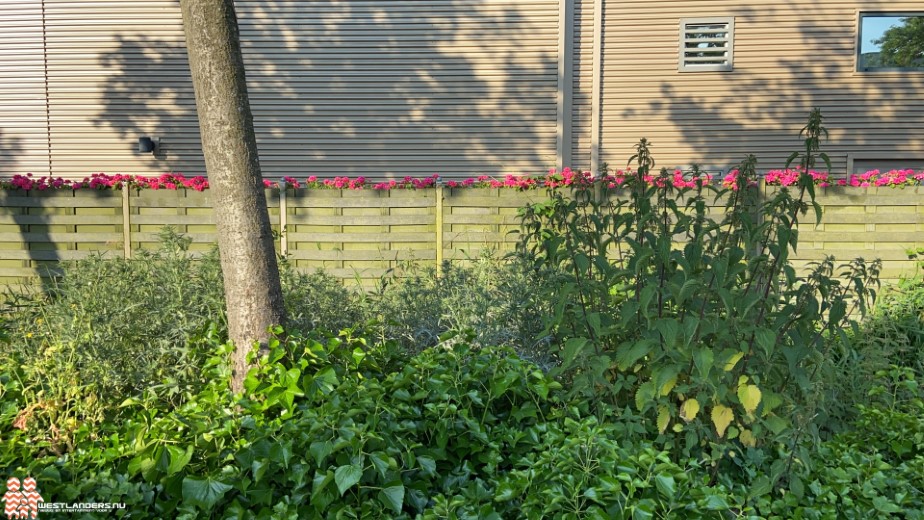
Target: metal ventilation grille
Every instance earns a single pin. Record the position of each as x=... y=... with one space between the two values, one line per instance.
x=706 y=44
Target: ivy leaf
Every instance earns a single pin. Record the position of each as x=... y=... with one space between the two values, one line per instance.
x=428 y=465
x=347 y=476
x=320 y=450
x=319 y=482
x=204 y=492
x=722 y=416
x=393 y=496
x=749 y=396
x=689 y=409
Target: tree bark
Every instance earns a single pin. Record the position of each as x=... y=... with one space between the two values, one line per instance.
x=253 y=295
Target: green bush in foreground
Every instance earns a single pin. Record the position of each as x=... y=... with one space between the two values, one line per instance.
x=328 y=429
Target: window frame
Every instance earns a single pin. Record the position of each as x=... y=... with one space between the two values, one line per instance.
x=859 y=41
x=728 y=66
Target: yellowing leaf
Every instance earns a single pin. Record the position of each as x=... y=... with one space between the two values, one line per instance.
x=689 y=409
x=749 y=396
x=747 y=438
x=733 y=360
x=722 y=416
x=664 y=417
x=668 y=386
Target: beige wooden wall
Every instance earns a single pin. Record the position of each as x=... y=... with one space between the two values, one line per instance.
x=789 y=56
x=382 y=88
x=390 y=88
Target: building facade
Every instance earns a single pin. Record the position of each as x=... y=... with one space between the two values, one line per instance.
x=388 y=88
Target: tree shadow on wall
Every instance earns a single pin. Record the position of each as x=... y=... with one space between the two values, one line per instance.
x=383 y=89
x=760 y=107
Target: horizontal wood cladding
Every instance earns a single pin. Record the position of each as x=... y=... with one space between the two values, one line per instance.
x=788 y=58
x=388 y=88
x=391 y=88
x=23 y=118
x=118 y=71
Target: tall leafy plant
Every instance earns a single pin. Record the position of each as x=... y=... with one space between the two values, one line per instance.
x=681 y=302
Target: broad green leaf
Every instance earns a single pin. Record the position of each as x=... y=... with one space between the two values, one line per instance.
x=703 y=358
x=771 y=401
x=883 y=505
x=665 y=485
x=320 y=450
x=668 y=328
x=749 y=396
x=393 y=496
x=776 y=424
x=203 y=492
x=760 y=487
x=644 y=395
x=258 y=468
x=664 y=417
x=319 y=482
x=689 y=409
x=504 y=492
x=715 y=503
x=766 y=340
x=665 y=378
x=381 y=462
x=629 y=353
x=347 y=476
x=428 y=465
x=722 y=416
x=573 y=348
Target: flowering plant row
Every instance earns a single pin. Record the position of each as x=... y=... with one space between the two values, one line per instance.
x=553 y=179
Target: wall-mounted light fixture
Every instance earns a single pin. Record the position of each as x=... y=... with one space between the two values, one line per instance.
x=148 y=144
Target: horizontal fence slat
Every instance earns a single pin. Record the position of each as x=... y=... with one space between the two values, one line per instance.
x=372 y=202
x=52 y=220
x=378 y=238
x=38 y=237
x=361 y=255
x=155 y=237
x=359 y=220
x=57 y=254
x=102 y=201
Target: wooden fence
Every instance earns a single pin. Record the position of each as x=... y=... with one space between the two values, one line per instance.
x=362 y=234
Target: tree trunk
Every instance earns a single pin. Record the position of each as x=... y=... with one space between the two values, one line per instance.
x=245 y=239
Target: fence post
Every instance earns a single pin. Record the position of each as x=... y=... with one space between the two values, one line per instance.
x=126 y=222
x=439 y=228
x=283 y=220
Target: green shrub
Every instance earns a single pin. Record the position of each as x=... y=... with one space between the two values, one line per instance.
x=874 y=470
x=109 y=328
x=332 y=427
x=696 y=320
x=318 y=300
x=493 y=299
